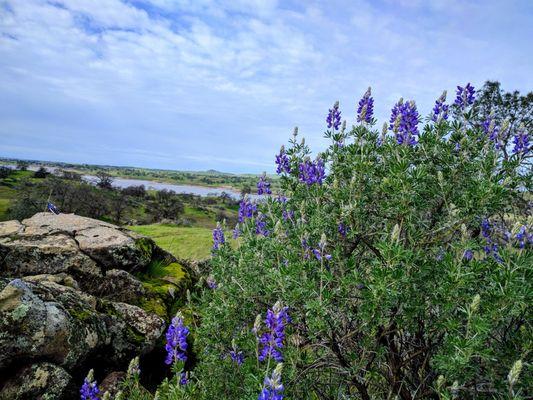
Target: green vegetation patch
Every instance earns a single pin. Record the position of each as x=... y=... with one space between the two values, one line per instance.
x=182 y=242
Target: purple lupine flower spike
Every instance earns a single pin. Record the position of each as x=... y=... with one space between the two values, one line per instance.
x=263 y=185
x=218 y=237
x=89 y=390
x=440 y=111
x=283 y=162
x=237 y=356
x=246 y=209
x=343 y=229
x=465 y=96
x=272 y=386
x=334 y=117
x=272 y=340
x=176 y=345
x=404 y=121
x=261 y=225
x=312 y=172
x=365 y=109
x=521 y=141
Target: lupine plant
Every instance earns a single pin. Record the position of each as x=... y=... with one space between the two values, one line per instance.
x=403 y=257
x=405 y=264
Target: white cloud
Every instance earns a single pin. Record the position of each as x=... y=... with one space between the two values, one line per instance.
x=212 y=81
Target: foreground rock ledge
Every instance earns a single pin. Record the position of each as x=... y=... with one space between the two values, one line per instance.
x=69 y=300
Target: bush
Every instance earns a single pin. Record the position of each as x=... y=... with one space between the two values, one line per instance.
x=406 y=271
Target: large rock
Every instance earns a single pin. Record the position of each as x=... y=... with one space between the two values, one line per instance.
x=48 y=243
x=70 y=299
x=40 y=381
x=43 y=319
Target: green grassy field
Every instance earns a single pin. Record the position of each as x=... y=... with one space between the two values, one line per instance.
x=183 y=242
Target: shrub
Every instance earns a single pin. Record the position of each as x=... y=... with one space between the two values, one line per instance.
x=406 y=270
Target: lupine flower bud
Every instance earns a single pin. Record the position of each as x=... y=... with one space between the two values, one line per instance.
x=295 y=132
x=343 y=127
x=395 y=236
x=514 y=373
x=106 y=396
x=384 y=129
x=474 y=306
x=133 y=369
x=257 y=324
x=440 y=381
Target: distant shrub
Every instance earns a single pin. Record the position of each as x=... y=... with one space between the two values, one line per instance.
x=41 y=173
x=5 y=172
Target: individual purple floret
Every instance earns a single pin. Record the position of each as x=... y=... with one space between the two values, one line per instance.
x=176 y=346
x=521 y=141
x=183 y=379
x=306 y=249
x=246 y=209
x=218 y=237
x=524 y=237
x=263 y=186
x=312 y=172
x=468 y=255
x=89 y=390
x=365 y=109
x=287 y=215
x=440 y=111
x=404 y=121
x=236 y=232
x=283 y=162
x=272 y=340
x=334 y=117
x=490 y=248
x=211 y=283
x=237 y=357
x=465 y=96
x=272 y=387
x=261 y=225
x=343 y=229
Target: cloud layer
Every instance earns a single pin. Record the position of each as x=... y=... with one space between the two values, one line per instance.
x=199 y=84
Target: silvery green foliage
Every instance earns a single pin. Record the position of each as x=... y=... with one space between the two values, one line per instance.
x=413 y=302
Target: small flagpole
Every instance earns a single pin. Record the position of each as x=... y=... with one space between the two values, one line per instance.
x=48 y=201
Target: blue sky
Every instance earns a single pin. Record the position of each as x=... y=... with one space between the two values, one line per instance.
x=200 y=84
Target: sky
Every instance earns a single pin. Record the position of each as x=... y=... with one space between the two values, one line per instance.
x=215 y=84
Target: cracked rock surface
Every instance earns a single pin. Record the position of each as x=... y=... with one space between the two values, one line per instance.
x=67 y=302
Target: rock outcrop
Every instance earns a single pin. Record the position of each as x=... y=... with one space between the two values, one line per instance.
x=76 y=292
